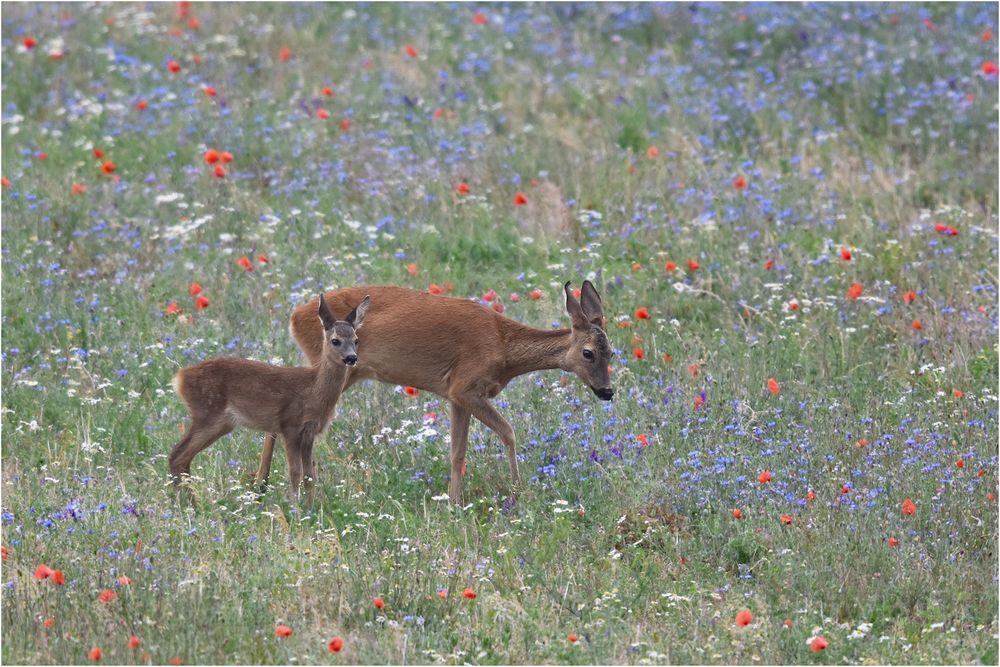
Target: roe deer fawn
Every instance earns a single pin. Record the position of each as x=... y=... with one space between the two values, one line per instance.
x=461 y=351
x=225 y=392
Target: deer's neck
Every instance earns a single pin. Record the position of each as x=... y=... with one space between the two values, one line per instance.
x=531 y=349
x=326 y=388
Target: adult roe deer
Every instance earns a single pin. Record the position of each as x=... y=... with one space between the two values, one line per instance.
x=297 y=402
x=463 y=352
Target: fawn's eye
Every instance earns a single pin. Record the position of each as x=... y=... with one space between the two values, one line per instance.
x=588 y=355
x=335 y=342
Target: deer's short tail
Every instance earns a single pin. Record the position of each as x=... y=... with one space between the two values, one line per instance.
x=178 y=384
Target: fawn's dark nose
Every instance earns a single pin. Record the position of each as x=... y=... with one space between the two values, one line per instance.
x=351 y=359
x=605 y=393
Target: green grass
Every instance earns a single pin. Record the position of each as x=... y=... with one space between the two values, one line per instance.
x=852 y=127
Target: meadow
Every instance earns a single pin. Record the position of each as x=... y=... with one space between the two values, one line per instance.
x=790 y=212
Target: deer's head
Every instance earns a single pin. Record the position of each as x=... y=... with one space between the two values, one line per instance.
x=340 y=337
x=589 y=349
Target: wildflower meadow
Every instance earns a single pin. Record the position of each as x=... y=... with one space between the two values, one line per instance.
x=789 y=211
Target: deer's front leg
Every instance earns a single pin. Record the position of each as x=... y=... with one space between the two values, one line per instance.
x=459 y=442
x=484 y=411
x=266 y=454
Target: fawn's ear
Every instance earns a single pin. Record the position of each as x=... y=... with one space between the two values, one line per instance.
x=357 y=316
x=326 y=315
x=575 y=310
x=590 y=301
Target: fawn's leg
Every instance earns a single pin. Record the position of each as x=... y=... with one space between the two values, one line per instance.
x=459 y=442
x=199 y=436
x=484 y=411
x=294 y=457
x=266 y=455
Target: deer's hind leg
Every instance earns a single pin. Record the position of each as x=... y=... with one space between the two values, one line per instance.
x=200 y=435
x=266 y=455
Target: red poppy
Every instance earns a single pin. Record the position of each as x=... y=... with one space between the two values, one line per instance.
x=328 y=91
x=210 y=91
x=489 y=295
x=284 y=54
x=787 y=623
x=793 y=306
x=58 y=578
x=861 y=443
x=652 y=152
x=4 y=181
x=737 y=514
x=244 y=261
x=95 y=653
x=571 y=637
x=195 y=289
x=262 y=259
x=174 y=66
x=740 y=183
x=515 y=297
x=172 y=308
x=845 y=254
x=693 y=264
x=909 y=508
x=345 y=125
x=322 y=114
x=443 y=593
x=201 y=303
x=194 y=23
x=744 y=617
x=639 y=354
x=4 y=554
x=434 y=289
x=107 y=595
x=929 y=24
x=642 y=313
x=462 y=188
x=773 y=386
x=854 y=291
x=479 y=18
x=336 y=644
x=49 y=622
x=989 y=68
x=764 y=477
x=520 y=199
x=769 y=264
x=283 y=631
x=411 y=268
x=133 y=642
x=29 y=42
x=986 y=36
x=845 y=489
x=917 y=326
x=409 y=391
x=818 y=644
x=141 y=104
x=910 y=297
x=226 y=157
x=670 y=266
x=43 y=572
x=698 y=401
x=98 y=153
x=893 y=542
x=786 y=519
x=176 y=660
x=108 y=167
x=219 y=171
x=535 y=294
x=379 y=602
x=410 y=50
x=811 y=495
x=42 y=155
x=957 y=393
x=667 y=357
x=78 y=188
x=469 y=593
x=124 y=581
x=643 y=439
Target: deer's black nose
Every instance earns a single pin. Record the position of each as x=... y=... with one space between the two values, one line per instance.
x=351 y=359
x=605 y=393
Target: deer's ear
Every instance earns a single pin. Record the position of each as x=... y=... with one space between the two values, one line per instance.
x=357 y=316
x=326 y=315
x=590 y=301
x=575 y=310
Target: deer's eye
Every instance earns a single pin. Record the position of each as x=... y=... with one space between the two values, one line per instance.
x=588 y=355
x=335 y=342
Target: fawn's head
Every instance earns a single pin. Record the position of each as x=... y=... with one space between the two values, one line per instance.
x=339 y=336
x=589 y=350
